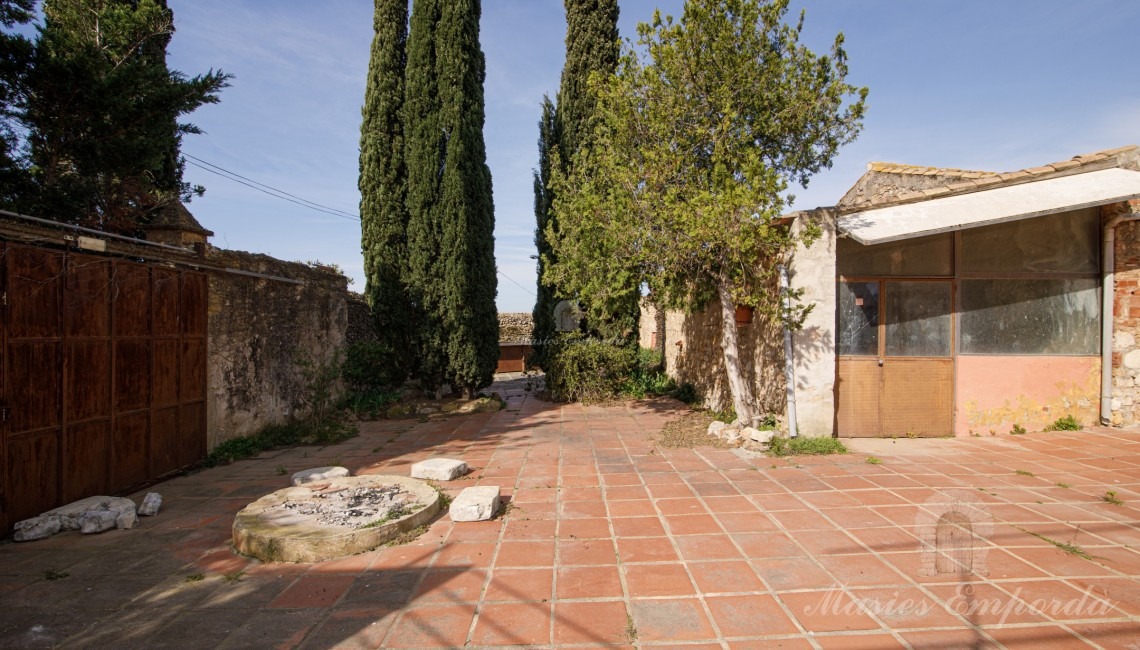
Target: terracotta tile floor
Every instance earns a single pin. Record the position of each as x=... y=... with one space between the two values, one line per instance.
x=610 y=541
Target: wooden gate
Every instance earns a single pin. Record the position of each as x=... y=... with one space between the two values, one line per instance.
x=103 y=380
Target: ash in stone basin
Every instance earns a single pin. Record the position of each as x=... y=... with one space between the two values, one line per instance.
x=332 y=518
x=351 y=507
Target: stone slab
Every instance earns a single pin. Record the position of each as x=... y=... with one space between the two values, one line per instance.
x=478 y=503
x=150 y=504
x=439 y=469
x=319 y=474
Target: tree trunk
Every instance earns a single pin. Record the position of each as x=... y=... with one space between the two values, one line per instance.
x=741 y=392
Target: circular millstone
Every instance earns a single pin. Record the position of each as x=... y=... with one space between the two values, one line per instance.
x=294 y=524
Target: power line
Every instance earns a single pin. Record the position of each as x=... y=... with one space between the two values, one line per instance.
x=516 y=283
x=268 y=189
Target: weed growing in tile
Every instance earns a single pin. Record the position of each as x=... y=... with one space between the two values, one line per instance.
x=1022 y=472
x=1110 y=497
x=406 y=537
x=781 y=446
x=233 y=576
x=1017 y=430
x=630 y=629
x=53 y=575
x=873 y=460
x=1071 y=549
x=1063 y=485
x=281 y=471
x=1067 y=423
x=196 y=577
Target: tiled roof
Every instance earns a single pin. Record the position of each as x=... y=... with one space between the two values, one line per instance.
x=912 y=183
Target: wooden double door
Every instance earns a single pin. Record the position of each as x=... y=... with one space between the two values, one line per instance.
x=895 y=362
x=102 y=376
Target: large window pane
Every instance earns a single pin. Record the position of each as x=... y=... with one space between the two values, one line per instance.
x=1057 y=243
x=1030 y=317
x=920 y=257
x=918 y=319
x=859 y=318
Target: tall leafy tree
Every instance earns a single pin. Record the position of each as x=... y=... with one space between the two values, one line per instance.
x=16 y=53
x=592 y=47
x=102 y=112
x=451 y=214
x=383 y=178
x=698 y=142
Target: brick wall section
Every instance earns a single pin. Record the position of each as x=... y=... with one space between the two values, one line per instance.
x=1126 y=316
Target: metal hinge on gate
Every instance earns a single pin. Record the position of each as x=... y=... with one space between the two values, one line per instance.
x=5 y=413
x=4 y=299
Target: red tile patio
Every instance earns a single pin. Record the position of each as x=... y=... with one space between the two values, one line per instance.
x=612 y=541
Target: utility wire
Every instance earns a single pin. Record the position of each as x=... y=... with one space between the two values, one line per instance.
x=267 y=189
x=517 y=284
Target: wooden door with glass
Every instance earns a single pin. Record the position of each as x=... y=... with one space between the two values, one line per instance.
x=895 y=357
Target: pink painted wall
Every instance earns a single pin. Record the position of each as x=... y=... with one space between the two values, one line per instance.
x=994 y=393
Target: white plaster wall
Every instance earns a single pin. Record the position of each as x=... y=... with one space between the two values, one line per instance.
x=813 y=347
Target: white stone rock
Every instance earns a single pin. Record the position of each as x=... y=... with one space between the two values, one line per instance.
x=761 y=436
x=1132 y=359
x=319 y=474
x=1116 y=404
x=439 y=469
x=97 y=521
x=731 y=434
x=150 y=504
x=35 y=528
x=478 y=503
x=715 y=427
x=1123 y=341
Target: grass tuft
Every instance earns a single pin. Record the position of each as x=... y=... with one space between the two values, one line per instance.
x=874 y=460
x=800 y=446
x=1110 y=497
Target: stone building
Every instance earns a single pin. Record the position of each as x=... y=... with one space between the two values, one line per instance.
x=952 y=302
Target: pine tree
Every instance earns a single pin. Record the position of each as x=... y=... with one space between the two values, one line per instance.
x=101 y=109
x=451 y=215
x=545 y=298
x=383 y=179
x=466 y=209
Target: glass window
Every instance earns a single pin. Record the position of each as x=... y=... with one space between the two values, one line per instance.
x=919 y=257
x=1058 y=243
x=859 y=318
x=918 y=319
x=1030 y=317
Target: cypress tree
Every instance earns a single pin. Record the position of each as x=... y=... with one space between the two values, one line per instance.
x=451 y=214
x=424 y=145
x=383 y=178
x=545 y=298
x=466 y=209
x=592 y=45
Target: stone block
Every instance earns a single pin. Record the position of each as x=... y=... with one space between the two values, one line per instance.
x=97 y=521
x=476 y=503
x=715 y=427
x=1132 y=359
x=760 y=436
x=150 y=504
x=35 y=528
x=319 y=474
x=439 y=469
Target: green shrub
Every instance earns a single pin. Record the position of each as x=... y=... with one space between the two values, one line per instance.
x=1017 y=430
x=583 y=369
x=687 y=393
x=1067 y=423
x=800 y=446
x=370 y=367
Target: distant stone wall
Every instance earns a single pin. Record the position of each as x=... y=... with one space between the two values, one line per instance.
x=258 y=329
x=361 y=324
x=515 y=327
x=1126 y=316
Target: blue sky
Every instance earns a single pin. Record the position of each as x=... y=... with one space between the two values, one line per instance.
x=977 y=84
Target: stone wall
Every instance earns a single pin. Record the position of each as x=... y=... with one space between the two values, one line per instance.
x=812 y=272
x=1126 y=316
x=693 y=355
x=515 y=327
x=361 y=325
x=258 y=328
